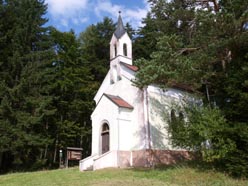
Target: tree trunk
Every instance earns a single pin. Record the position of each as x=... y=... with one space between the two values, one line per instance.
x=1 y=158
x=55 y=149
x=45 y=153
x=41 y=154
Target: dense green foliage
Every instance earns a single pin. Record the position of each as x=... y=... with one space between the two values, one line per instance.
x=204 y=47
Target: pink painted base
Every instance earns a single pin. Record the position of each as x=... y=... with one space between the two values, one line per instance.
x=148 y=158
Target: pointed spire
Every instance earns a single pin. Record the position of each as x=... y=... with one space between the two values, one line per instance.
x=120 y=30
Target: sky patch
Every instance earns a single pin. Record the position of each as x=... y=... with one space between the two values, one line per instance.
x=78 y=14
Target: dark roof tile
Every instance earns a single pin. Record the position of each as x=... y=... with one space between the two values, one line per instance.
x=120 y=30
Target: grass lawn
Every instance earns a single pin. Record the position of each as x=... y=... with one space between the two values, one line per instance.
x=173 y=176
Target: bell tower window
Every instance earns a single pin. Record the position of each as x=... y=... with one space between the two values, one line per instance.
x=115 y=50
x=125 y=49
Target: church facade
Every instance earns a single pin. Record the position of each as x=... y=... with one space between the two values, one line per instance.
x=128 y=124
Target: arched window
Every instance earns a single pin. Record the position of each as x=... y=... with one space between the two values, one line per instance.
x=181 y=116
x=105 y=138
x=173 y=115
x=105 y=128
x=125 y=49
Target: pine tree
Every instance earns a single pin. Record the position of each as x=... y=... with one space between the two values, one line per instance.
x=95 y=47
x=145 y=42
x=24 y=49
x=72 y=94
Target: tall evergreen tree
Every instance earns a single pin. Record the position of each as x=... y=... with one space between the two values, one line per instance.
x=24 y=49
x=95 y=47
x=72 y=94
x=145 y=42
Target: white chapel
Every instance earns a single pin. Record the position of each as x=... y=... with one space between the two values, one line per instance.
x=128 y=125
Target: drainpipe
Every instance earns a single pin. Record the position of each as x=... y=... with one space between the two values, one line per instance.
x=147 y=123
x=118 y=136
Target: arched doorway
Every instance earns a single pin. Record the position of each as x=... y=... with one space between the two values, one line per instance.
x=105 y=138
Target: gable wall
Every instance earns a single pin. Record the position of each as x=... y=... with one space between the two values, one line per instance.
x=134 y=97
x=136 y=130
x=125 y=123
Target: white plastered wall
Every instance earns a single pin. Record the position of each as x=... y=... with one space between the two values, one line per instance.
x=160 y=104
x=98 y=118
x=125 y=129
x=134 y=97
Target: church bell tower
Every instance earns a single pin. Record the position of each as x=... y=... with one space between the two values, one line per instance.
x=120 y=44
x=120 y=50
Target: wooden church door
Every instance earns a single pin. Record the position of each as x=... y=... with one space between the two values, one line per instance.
x=105 y=138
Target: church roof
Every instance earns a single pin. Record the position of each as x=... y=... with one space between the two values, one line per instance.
x=119 y=101
x=120 y=30
x=183 y=87
x=131 y=67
